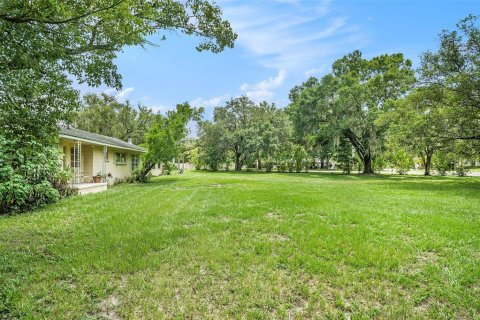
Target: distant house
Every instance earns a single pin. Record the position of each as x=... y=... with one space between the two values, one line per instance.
x=89 y=154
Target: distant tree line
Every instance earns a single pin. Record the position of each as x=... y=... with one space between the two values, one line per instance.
x=368 y=113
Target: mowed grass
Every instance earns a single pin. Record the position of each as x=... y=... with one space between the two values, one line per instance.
x=248 y=245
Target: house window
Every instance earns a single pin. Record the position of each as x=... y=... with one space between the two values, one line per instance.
x=120 y=158
x=74 y=157
x=135 y=161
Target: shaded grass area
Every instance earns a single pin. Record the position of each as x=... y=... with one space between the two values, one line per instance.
x=247 y=245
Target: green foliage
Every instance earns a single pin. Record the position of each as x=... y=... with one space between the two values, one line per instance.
x=416 y=122
x=212 y=145
x=105 y=115
x=455 y=68
x=195 y=158
x=344 y=155
x=46 y=43
x=236 y=121
x=461 y=169
x=455 y=157
x=83 y=37
x=282 y=166
x=164 y=140
x=300 y=157
x=400 y=159
x=365 y=90
x=62 y=182
x=444 y=161
x=246 y=133
x=169 y=168
x=310 y=104
x=26 y=170
x=349 y=101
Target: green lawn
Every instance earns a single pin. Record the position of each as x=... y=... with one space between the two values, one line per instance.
x=255 y=246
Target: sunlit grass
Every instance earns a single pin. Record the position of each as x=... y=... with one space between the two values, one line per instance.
x=230 y=245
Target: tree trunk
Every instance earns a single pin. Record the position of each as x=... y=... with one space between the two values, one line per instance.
x=322 y=164
x=428 y=160
x=363 y=152
x=142 y=176
x=367 y=163
x=238 y=164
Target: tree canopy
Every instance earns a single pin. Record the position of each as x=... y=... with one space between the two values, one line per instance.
x=245 y=133
x=455 y=69
x=105 y=115
x=164 y=138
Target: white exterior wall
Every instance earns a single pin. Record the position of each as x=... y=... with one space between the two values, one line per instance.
x=119 y=171
x=92 y=160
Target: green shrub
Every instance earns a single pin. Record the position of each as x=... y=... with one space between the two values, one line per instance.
x=168 y=168
x=443 y=161
x=402 y=161
x=135 y=177
x=344 y=156
x=27 y=169
x=269 y=166
x=460 y=169
x=62 y=183
x=300 y=155
x=290 y=165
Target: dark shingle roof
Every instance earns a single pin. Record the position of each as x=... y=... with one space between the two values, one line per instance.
x=99 y=138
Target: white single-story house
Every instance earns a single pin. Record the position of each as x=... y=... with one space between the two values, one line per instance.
x=96 y=158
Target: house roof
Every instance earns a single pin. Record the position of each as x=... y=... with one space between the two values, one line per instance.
x=74 y=133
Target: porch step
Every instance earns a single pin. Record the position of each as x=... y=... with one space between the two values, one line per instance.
x=86 y=188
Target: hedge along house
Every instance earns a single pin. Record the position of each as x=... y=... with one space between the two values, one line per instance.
x=93 y=156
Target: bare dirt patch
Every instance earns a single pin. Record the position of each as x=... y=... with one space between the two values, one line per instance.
x=108 y=308
x=273 y=215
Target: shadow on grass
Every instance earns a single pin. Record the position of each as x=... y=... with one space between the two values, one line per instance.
x=404 y=182
x=159 y=180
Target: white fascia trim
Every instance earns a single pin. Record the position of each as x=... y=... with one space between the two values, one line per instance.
x=99 y=143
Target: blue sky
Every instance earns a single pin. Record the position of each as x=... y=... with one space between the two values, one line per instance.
x=280 y=44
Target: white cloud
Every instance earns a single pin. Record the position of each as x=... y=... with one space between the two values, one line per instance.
x=124 y=93
x=109 y=91
x=159 y=108
x=119 y=95
x=281 y=36
x=260 y=95
x=315 y=71
x=264 y=90
x=209 y=103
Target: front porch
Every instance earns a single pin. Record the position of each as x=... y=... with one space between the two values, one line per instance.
x=86 y=188
x=85 y=160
